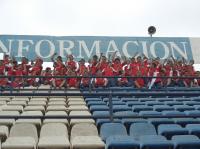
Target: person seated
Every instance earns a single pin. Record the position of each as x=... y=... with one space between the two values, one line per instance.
x=58 y=82
x=71 y=63
x=18 y=81
x=122 y=81
x=139 y=82
x=109 y=71
x=47 y=80
x=100 y=82
x=3 y=81
x=72 y=82
x=35 y=71
x=85 y=82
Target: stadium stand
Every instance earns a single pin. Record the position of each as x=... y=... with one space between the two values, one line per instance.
x=43 y=115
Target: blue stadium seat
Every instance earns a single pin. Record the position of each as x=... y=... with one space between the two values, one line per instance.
x=169 y=130
x=117 y=108
x=125 y=99
x=140 y=129
x=117 y=103
x=158 y=121
x=90 y=103
x=161 y=108
x=165 y=99
x=128 y=121
x=196 y=98
x=146 y=99
x=152 y=103
x=148 y=113
x=186 y=142
x=92 y=99
x=197 y=107
x=192 y=113
x=183 y=107
x=122 y=142
x=182 y=99
x=99 y=108
x=100 y=122
x=113 y=99
x=172 y=103
x=191 y=103
x=185 y=121
x=101 y=113
x=173 y=113
x=112 y=129
x=138 y=108
x=155 y=142
x=132 y=103
x=194 y=129
x=125 y=113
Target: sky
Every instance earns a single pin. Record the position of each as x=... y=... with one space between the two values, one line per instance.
x=172 y=18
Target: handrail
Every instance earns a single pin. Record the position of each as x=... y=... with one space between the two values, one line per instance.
x=106 y=93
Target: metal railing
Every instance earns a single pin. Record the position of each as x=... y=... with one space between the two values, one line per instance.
x=105 y=92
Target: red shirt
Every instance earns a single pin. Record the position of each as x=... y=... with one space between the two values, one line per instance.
x=140 y=81
x=117 y=67
x=18 y=73
x=82 y=69
x=72 y=64
x=108 y=71
x=93 y=68
x=143 y=70
x=103 y=65
x=134 y=68
x=49 y=76
x=123 y=80
x=100 y=81
x=72 y=82
x=167 y=70
x=36 y=70
x=127 y=70
x=2 y=70
x=6 y=61
x=85 y=81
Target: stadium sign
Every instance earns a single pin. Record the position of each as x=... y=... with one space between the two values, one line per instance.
x=87 y=46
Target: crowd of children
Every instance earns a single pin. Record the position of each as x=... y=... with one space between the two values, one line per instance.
x=99 y=72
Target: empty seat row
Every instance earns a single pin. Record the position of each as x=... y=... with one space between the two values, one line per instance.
x=144 y=136
x=51 y=136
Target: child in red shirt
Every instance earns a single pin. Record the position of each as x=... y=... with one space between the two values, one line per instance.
x=109 y=71
x=103 y=63
x=93 y=66
x=117 y=66
x=139 y=82
x=70 y=62
x=3 y=81
x=48 y=73
x=85 y=81
x=58 y=82
x=35 y=71
x=18 y=81
x=82 y=67
x=100 y=82
x=72 y=82
x=122 y=81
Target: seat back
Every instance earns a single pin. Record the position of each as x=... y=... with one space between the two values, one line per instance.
x=54 y=129
x=24 y=130
x=141 y=129
x=110 y=129
x=84 y=129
